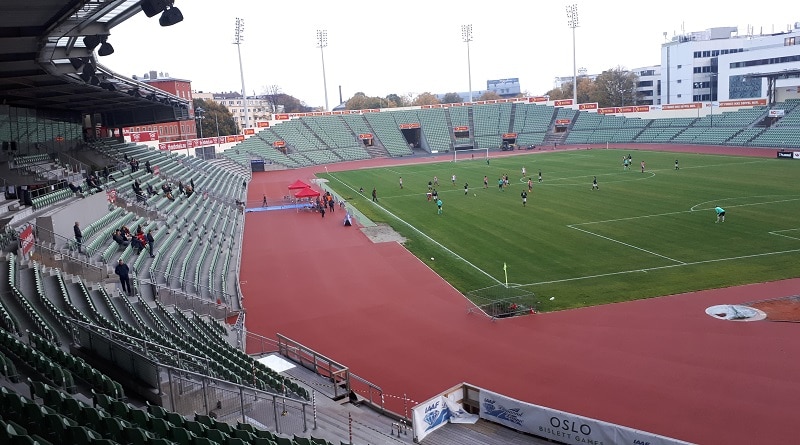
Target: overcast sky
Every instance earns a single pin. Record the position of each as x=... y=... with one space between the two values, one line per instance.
x=413 y=46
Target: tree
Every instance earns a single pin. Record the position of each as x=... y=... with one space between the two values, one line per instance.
x=398 y=101
x=213 y=114
x=565 y=92
x=489 y=95
x=425 y=98
x=616 y=87
x=292 y=104
x=271 y=93
x=452 y=98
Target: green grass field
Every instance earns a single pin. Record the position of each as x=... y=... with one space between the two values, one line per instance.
x=641 y=235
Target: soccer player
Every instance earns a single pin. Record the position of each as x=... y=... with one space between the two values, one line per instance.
x=530 y=184
x=374 y=195
x=454 y=180
x=720 y=214
x=540 y=176
x=500 y=184
x=466 y=189
x=436 y=181
x=439 y=206
x=642 y=166
x=594 y=184
x=401 y=182
x=485 y=182
x=524 y=172
x=524 y=196
x=430 y=186
x=676 y=165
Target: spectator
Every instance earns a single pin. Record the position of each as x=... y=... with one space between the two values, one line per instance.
x=119 y=239
x=78 y=235
x=150 y=241
x=147 y=167
x=122 y=271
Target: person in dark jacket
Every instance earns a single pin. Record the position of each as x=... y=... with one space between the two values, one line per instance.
x=78 y=235
x=150 y=242
x=122 y=271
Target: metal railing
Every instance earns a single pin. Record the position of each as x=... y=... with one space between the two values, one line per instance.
x=176 y=297
x=68 y=262
x=219 y=296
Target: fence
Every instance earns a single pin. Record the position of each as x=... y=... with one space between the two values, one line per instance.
x=176 y=297
x=68 y=262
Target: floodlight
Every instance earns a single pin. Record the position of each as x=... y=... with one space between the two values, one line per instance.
x=90 y=42
x=76 y=62
x=153 y=7
x=105 y=49
x=94 y=81
x=171 y=16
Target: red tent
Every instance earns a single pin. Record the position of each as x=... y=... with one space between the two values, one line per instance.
x=307 y=192
x=298 y=185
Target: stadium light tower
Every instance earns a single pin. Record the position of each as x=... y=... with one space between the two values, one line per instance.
x=572 y=22
x=466 y=36
x=237 y=40
x=322 y=42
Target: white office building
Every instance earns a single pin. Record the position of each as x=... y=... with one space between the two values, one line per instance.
x=719 y=64
x=258 y=107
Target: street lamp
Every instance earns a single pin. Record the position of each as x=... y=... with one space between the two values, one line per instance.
x=466 y=36
x=572 y=22
x=238 y=38
x=322 y=42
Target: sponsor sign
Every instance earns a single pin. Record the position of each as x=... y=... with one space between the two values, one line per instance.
x=144 y=136
x=742 y=103
x=538 y=99
x=563 y=102
x=175 y=145
x=560 y=426
x=430 y=416
x=589 y=106
x=783 y=154
x=563 y=121
x=27 y=240
x=262 y=124
x=460 y=129
x=281 y=117
x=606 y=110
x=777 y=113
x=365 y=136
x=689 y=106
x=279 y=144
x=509 y=135
x=249 y=131
x=408 y=126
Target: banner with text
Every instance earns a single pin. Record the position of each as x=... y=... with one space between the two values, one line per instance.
x=783 y=154
x=27 y=240
x=561 y=426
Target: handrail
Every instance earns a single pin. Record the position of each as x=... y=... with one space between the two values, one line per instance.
x=39 y=245
x=227 y=296
x=184 y=294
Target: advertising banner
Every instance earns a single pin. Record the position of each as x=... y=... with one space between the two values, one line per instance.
x=509 y=135
x=777 y=113
x=460 y=129
x=365 y=136
x=563 y=102
x=689 y=106
x=538 y=99
x=742 y=103
x=560 y=426
x=144 y=136
x=279 y=144
x=26 y=240
x=281 y=117
x=175 y=145
x=429 y=416
x=783 y=154
x=563 y=121
x=408 y=126
x=262 y=124
x=589 y=106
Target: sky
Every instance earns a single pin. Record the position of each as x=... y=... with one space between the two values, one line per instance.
x=413 y=46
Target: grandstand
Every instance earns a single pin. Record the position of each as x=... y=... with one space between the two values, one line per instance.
x=81 y=362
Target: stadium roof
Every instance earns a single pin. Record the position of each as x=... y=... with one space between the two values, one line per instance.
x=45 y=64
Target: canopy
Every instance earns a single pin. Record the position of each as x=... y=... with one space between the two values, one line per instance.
x=307 y=192
x=299 y=185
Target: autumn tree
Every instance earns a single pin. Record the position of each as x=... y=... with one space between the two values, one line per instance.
x=399 y=101
x=616 y=87
x=452 y=98
x=214 y=113
x=425 y=98
x=271 y=94
x=489 y=95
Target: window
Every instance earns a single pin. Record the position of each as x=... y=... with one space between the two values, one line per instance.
x=715 y=53
x=679 y=95
x=680 y=66
x=706 y=53
x=680 y=80
x=697 y=54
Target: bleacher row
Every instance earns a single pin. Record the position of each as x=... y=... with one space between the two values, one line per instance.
x=327 y=139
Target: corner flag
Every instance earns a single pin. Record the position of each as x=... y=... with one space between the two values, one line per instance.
x=505 y=272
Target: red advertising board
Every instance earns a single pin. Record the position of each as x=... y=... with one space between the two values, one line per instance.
x=175 y=145
x=689 y=106
x=589 y=106
x=563 y=121
x=460 y=129
x=642 y=109
x=538 y=99
x=27 y=240
x=249 y=131
x=409 y=126
x=262 y=124
x=509 y=135
x=742 y=103
x=144 y=136
x=279 y=144
x=563 y=102
x=365 y=136
x=281 y=117
x=607 y=110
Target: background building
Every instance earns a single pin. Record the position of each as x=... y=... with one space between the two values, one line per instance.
x=168 y=131
x=258 y=107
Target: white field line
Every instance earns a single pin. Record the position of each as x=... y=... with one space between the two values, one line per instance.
x=627 y=245
x=424 y=235
x=646 y=269
x=778 y=233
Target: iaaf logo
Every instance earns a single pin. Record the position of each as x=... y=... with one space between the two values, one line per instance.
x=512 y=415
x=435 y=416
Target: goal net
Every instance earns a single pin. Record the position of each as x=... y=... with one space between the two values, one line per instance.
x=471 y=154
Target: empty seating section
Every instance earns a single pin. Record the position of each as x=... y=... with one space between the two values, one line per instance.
x=459 y=117
x=491 y=121
x=532 y=118
x=434 y=129
x=744 y=136
x=388 y=132
x=778 y=137
x=297 y=134
x=332 y=131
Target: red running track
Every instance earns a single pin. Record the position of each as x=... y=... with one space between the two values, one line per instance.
x=660 y=365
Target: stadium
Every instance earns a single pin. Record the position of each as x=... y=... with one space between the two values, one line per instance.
x=244 y=315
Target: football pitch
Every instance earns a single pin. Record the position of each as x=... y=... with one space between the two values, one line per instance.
x=642 y=234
